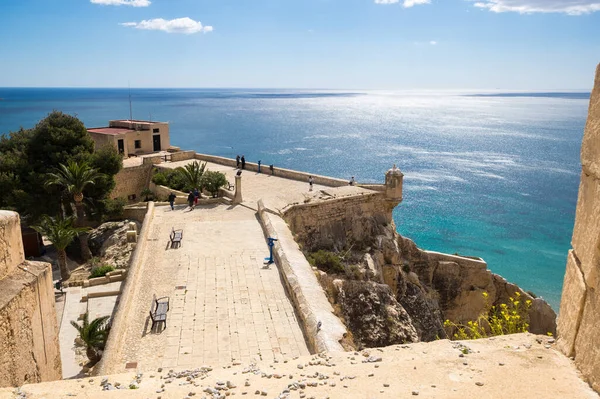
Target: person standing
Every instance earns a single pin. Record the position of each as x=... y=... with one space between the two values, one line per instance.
x=172 y=200
x=196 y=196
x=310 y=183
x=352 y=181
x=243 y=162
x=237 y=161
x=190 y=200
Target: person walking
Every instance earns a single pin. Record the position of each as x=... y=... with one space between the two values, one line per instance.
x=237 y=161
x=310 y=183
x=172 y=200
x=190 y=200
x=243 y=162
x=196 y=196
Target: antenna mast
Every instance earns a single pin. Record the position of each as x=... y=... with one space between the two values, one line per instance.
x=130 y=109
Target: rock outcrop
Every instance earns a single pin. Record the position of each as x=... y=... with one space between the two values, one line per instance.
x=109 y=242
x=373 y=315
x=580 y=304
x=427 y=287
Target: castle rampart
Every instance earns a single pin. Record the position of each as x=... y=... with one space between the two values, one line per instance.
x=29 y=349
x=580 y=305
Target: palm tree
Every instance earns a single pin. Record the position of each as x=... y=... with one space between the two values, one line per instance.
x=61 y=232
x=93 y=335
x=74 y=177
x=192 y=174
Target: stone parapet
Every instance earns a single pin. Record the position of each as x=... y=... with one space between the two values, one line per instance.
x=280 y=172
x=304 y=290
x=113 y=348
x=11 y=244
x=29 y=348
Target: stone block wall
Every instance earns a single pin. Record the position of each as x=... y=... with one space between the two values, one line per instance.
x=337 y=223
x=29 y=347
x=131 y=181
x=580 y=306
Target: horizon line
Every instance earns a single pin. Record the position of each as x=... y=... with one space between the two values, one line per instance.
x=298 y=88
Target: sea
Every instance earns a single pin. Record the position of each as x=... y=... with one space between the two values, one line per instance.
x=488 y=174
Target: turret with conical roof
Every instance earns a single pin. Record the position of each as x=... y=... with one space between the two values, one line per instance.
x=393 y=184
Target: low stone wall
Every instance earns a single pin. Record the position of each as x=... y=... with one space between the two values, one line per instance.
x=136 y=212
x=580 y=304
x=132 y=180
x=303 y=288
x=119 y=323
x=182 y=155
x=280 y=172
x=163 y=193
x=374 y=187
x=338 y=222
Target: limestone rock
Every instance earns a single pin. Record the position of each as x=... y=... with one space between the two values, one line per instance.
x=587 y=350
x=109 y=242
x=374 y=316
x=590 y=148
x=586 y=233
x=424 y=312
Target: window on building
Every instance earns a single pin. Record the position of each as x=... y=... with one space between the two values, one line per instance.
x=156 y=130
x=138 y=144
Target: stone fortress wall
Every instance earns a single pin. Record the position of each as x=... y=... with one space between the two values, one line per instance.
x=29 y=347
x=579 y=315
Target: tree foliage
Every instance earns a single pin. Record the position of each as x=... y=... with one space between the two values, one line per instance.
x=61 y=232
x=28 y=155
x=192 y=175
x=93 y=334
x=212 y=181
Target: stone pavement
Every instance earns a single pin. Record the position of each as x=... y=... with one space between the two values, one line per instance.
x=277 y=193
x=73 y=308
x=225 y=305
x=505 y=367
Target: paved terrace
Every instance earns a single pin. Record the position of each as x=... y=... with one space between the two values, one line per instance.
x=277 y=193
x=226 y=306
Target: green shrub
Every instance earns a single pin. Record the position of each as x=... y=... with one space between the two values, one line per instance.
x=507 y=318
x=170 y=178
x=160 y=179
x=212 y=181
x=113 y=208
x=326 y=261
x=101 y=271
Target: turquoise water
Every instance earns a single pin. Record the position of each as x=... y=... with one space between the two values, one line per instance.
x=492 y=175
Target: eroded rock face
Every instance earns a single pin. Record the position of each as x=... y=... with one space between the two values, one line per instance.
x=373 y=315
x=109 y=242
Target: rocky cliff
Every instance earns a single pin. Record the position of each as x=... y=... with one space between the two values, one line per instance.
x=391 y=291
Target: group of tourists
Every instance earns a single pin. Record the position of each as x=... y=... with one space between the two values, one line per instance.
x=240 y=161
x=192 y=199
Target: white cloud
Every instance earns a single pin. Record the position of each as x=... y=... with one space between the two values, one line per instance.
x=433 y=42
x=180 y=25
x=406 y=3
x=133 y=3
x=571 y=7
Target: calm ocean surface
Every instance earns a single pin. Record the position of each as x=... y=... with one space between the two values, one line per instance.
x=490 y=174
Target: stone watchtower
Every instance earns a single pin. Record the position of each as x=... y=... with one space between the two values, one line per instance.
x=393 y=184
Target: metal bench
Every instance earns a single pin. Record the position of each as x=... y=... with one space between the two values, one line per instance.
x=158 y=312
x=176 y=237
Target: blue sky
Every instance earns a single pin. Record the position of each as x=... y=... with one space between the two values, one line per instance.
x=344 y=44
